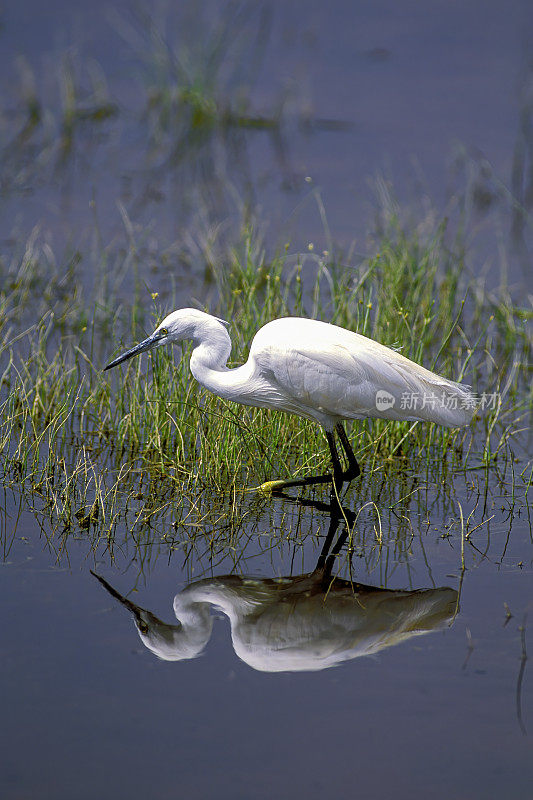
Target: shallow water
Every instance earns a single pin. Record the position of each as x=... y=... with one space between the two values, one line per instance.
x=88 y=710
x=436 y=103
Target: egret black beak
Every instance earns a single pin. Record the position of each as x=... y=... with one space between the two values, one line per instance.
x=136 y=611
x=121 y=599
x=142 y=347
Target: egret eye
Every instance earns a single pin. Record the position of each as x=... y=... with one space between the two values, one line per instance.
x=143 y=627
x=163 y=332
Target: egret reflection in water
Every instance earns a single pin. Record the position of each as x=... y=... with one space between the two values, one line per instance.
x=304 y=623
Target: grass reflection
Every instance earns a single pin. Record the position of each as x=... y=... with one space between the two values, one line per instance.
x=300 y=623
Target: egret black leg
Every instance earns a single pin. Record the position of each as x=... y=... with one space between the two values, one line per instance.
x=339 y=477
x=353 y=470
x=338 y=474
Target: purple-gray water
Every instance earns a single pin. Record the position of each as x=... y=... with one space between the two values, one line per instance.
x=349 y=105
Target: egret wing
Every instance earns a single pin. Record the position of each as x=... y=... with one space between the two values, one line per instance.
x=329 y=378
x=342 y=379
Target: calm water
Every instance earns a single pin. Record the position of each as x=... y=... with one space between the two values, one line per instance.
x=90 y=711
x=435 y=103
x=435 y=100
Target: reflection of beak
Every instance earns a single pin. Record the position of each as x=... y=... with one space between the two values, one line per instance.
x=146 y=344
x=135 y=610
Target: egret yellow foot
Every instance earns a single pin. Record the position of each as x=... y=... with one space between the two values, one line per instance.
x=272 y=486
x=277 y=486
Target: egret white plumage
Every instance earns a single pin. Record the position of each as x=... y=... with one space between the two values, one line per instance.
x=317 y=370
x=292 y=624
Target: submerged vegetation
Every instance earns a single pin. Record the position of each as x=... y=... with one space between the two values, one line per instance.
x=188 y=168
x=144 y=445
x=87 y=445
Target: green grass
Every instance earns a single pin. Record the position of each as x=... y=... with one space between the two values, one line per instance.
x=87 y=445
x=90 y=450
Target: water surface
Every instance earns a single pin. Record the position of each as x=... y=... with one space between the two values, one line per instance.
x=89 y=710
x=436 y=100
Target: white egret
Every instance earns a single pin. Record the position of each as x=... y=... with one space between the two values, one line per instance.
x=319 y=371
x=292 y=624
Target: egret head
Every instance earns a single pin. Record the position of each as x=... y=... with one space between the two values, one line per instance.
x=177 y=326
x=168 y=642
